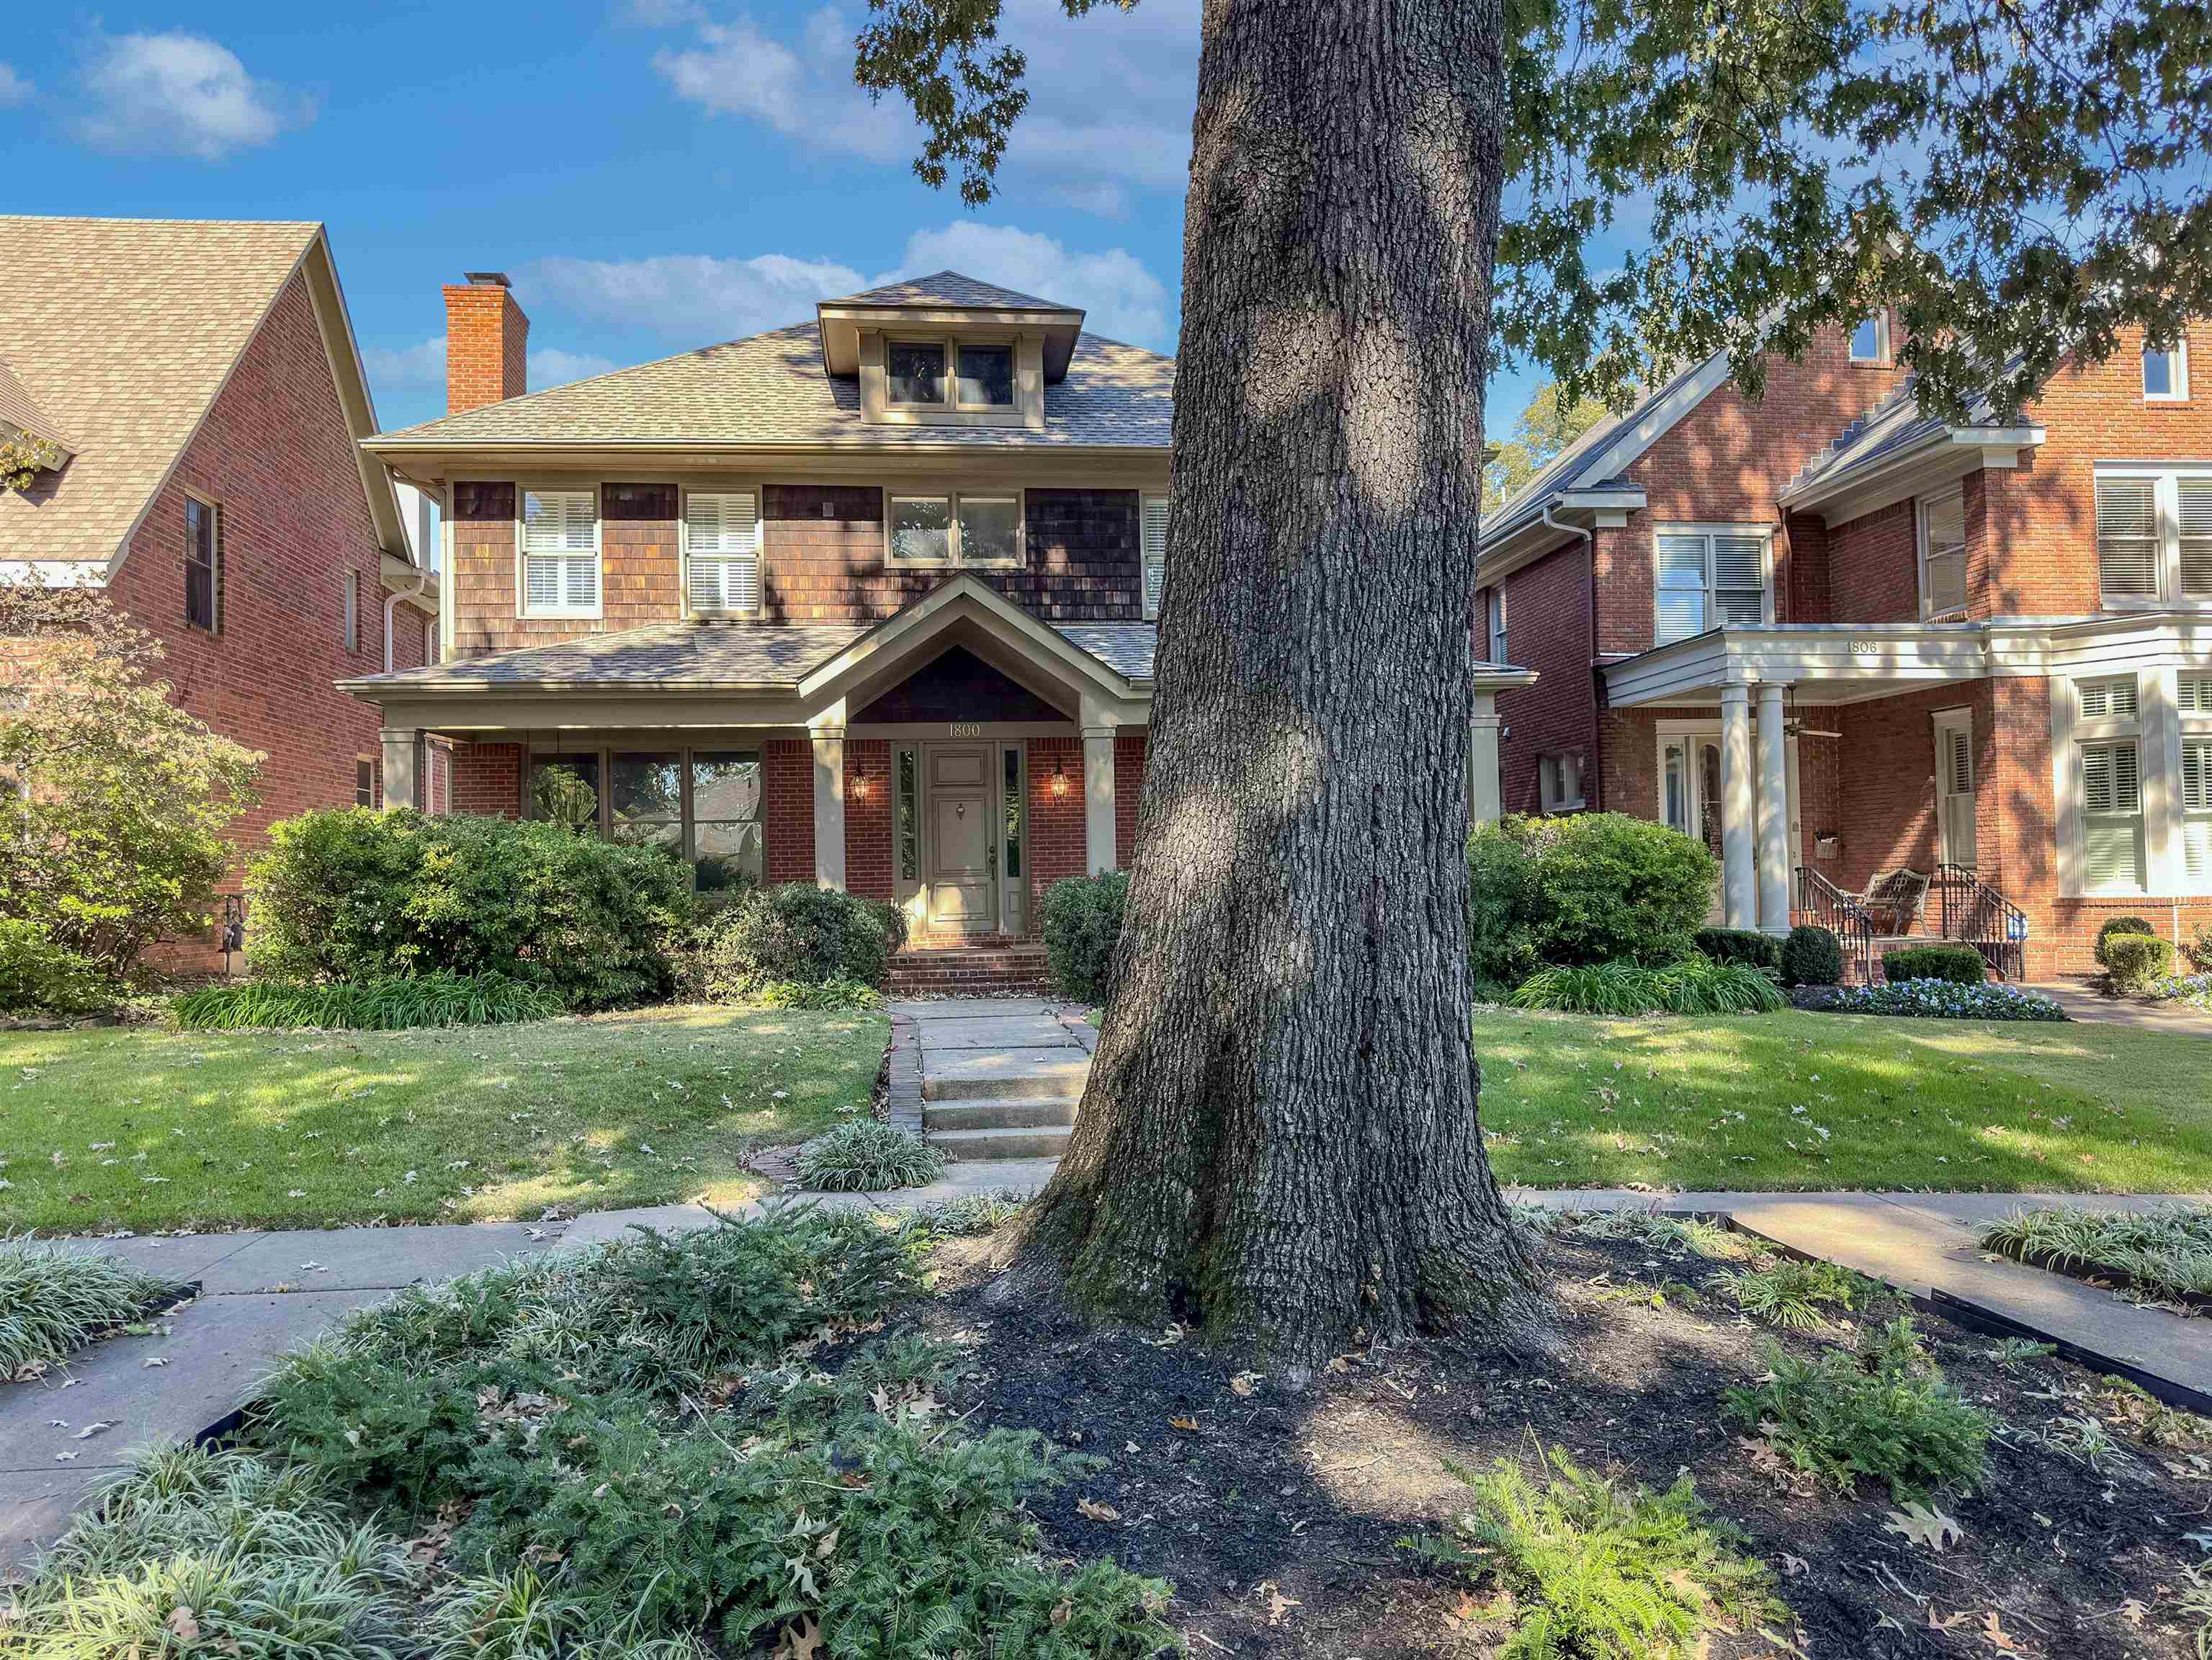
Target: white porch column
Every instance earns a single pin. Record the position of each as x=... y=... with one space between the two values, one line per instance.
x=403 y=750
x=1099 y=851
x=828 y=742
x=1773 y=814
x=1739 y=886
x=1483 y=796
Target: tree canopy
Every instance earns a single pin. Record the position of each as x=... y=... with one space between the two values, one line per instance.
x=1546 y=425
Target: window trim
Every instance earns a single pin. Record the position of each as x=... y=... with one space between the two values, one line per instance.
x=2164 y=478
x=1149 y=603
x=952 y=496
x=523 y=608
x=350 y=627
x=364 y=780
x=1709 y=531
x=1497 y=618
x=950 y=401
x=2179 y=352
x=214 y=510
x=1922 y=513
x=734 y=487
x=1547 y=765
x=1880 y=317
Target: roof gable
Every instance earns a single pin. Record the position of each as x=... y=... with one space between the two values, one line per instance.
x=950 y=289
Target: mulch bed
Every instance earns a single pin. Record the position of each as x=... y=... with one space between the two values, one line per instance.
x=1278 y=1516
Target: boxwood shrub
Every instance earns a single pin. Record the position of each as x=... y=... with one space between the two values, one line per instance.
x=1597 y=887
x=1082 y=926
x=2116 y=926
x=353 y=894
x=777 y=940
x=1962 y=965
x=1746 y=945
x=1812 y=956
x=2134 y=960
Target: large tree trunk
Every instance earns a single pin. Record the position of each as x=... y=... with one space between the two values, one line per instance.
x=1279 y=1143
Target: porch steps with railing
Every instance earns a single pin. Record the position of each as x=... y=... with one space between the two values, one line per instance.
x=1962 y=910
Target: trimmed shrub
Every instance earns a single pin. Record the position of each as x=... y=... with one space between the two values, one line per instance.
x=1812 y=956
x=2134 y=960
x=1961 y=965
x=391 y=1005
x=1746 y=945
x=40 y=975
x=1597 y=887
x=863 y=1156
x=774 y=941
x=1082 y=927
x=2117 y=925
x=353 y=894
x=1693 y=986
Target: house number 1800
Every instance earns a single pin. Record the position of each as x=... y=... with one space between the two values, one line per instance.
x=967 y=728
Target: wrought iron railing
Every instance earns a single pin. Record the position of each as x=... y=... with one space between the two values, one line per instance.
x=1975 y=914
x=1838 y=912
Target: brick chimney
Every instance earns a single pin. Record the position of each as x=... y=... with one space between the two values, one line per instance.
x=486 y=337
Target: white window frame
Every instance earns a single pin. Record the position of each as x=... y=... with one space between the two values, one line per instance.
x=955 y=558
x=2165 y=479
x=2178 y=352
x=1152 y=528
x=2100 y=723
x=752 y=488
x=1500 y=620
x=1879 y=318
x=1926 y=504
x=1551 y=780
x=597 y=609
x=1709 y=531
x=350 y=630
x=949 y=382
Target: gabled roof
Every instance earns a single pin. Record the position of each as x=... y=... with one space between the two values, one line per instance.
x=19 y=410
x=771 y=391
x=1892 y=429
x=950 y=289
x=123 y=332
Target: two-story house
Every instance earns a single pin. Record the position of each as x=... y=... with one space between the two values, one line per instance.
x=196 y=388
x=869 y=601
x=1840 y=639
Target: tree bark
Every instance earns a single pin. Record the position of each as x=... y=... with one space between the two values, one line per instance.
x=1279 y=1143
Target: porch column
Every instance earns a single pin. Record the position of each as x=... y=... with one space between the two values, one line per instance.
x=1739 y=886
x=403 y=750
x=1483 y=795
x=828 y=806
x=1773 y=814
x=1100 y=852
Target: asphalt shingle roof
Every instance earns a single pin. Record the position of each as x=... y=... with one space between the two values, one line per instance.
x=948 y=287
x=1896 y=424
x=122 y=332
x=772 y=390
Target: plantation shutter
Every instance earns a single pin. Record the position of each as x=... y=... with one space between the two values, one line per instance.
x=1947 y=553
x=1958 y=795
x=1680 y=601
x=2196 y=807
x=561 y=550
x=2108 y=699
x=2111 y=808
x=1153 y=534
x=722 y=533
x=2195 y=516
x=1739 y=580
x=2127 y=537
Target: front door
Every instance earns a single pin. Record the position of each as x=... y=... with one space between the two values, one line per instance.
x=963 y=857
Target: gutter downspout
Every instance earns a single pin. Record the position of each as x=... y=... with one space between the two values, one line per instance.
x=1589 y=591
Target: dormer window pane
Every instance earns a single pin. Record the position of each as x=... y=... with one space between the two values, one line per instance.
x=916 y=370
x=987 y=374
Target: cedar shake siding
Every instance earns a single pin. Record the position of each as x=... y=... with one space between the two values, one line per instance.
x=638 y=568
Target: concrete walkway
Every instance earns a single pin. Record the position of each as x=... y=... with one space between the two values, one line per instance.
x=990 y=1078
x=2083 y=1001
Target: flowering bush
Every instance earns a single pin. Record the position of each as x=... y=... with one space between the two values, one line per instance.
x=2192 y=988
x=1943 y=1000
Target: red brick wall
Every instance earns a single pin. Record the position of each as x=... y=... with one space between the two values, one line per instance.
x=787 y=766
x=277 y=457
x=1056 y=815
x=487 y=344
x=1547 y=622
x=1129 y=792
x=1874 y=568
x=487 y=778
x=868 y=817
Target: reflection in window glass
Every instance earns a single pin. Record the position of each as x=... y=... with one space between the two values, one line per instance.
x=990 y=528
x=916 y=371
x=910 y=813
x=921 y=527
x=1013 y=797
x=987 y=374
x=646 y=800
x=726 y=845
x=566 y=791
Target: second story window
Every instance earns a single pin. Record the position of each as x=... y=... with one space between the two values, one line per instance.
x=915 y=371
x=560 y=553
x=1943 y=553
x=1870 y=339
x=2154 y=537
x=966 y=374
x=721 y=550
x=349 y=629
x=1497 y=638
x=2166 y=372
x=202 y=563
x=979 y=528
x=1153 y=534
x=1709 y=578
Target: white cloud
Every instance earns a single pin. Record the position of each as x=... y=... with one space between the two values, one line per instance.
x=556 y=367
x=693 y=297
x=1111 y=96
x=13 y=88
x=1119 y=297
x=804 y=90
x=180 y=93
x=424 y=364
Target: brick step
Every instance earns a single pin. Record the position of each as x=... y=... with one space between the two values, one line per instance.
x=967 y=1146
x=939 y=1117
x=968 y=970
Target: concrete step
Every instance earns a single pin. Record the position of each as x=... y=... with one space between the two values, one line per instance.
x=1022 y=1075
x=966 y=1145
x=1003 y=1114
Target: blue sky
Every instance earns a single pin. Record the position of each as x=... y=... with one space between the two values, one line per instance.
x=654 y=174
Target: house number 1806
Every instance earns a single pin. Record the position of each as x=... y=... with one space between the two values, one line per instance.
x=967 y=728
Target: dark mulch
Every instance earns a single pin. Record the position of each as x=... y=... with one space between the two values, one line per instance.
x=1274 y=1495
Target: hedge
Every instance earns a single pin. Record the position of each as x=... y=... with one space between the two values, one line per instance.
x=1746 y=945
x=800 y=945
x=1960 y=965
x=1082 y=926
x=1598 y=887
x=39 y=976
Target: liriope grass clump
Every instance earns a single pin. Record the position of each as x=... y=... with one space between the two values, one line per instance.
x=386 y=1005
x=863 y=1156
x=1800 y=1296
x=1695 y=985
x=54 y=1300
x=2165 y=1252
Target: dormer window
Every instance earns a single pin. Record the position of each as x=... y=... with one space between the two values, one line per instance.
x=985 y=375
x=947 y=350
x=915 y=371
x=959 y=374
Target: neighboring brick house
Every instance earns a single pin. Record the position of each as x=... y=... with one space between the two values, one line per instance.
x=200 y=386
x=868 y=601
x=1838 y=638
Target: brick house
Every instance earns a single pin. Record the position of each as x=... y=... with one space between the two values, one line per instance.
x=1839 y=638
x=203 y=397
x=869 y=601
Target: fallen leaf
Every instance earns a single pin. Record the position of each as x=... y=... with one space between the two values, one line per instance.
x=1096 y=1511
x=1278 y=1604
x=1062 y=1612
x=1183 y=1423
x=2133 y=1611
x=1994 y=1633
x=184 y=1625
x=800 y=1641
x=1794 y=1566
x=1242 y=1382
x=1924 y=1526
x=89 y=1431
x=1947 y=1621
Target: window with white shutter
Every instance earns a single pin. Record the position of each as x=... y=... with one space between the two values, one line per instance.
x=2111 y=815
x=2194 y=693
x=1153 y=531
x=2196 y=808
x=2193 y=500
x=2155 y=536
x=561 y=553
x=2109 y=700
x=2127 y=537
x=1708 y=579
x=1943 y=553
x=721 y=544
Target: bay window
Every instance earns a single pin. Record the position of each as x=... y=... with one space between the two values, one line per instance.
x=2155 y=536
x=2108 y=751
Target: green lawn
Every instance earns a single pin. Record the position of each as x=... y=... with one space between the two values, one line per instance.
x=1802 y=1101
x=147 y=1127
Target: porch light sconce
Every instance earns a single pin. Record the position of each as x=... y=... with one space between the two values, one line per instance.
x=1059 y=776
x=860 y=788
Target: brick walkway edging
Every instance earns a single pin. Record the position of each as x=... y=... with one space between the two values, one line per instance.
x=902 y=1077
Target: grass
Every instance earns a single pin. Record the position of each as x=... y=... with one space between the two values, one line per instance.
x=150 y=1128
x=54 y=1301
x=1693 y=985
x=2166 y=1252
x=1797 y=1101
